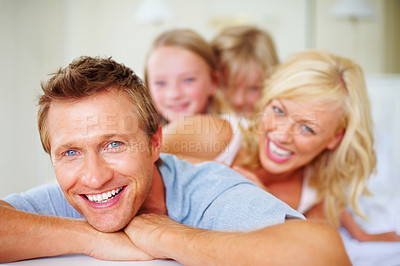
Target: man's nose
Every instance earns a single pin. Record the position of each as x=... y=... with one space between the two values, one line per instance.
x=95 y=171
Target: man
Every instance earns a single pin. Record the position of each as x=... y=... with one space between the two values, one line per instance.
x=99 y=126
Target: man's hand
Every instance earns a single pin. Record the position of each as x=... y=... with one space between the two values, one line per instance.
x=115 y=246
x=147 y=230
x=309 y=243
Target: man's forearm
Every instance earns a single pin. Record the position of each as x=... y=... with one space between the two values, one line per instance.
x=295 y=242
x=24 y=235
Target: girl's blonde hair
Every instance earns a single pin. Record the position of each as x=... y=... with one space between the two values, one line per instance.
x=317 y=76
x=191 y=41
x=244 y=45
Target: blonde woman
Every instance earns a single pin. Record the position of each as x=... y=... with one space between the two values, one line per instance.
x=246 y=55
x=180 y=73
x=310 y=142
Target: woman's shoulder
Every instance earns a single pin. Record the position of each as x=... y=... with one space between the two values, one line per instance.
x=197 y=136
x=199 y=126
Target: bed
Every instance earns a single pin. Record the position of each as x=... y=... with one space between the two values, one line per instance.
x=383 y=208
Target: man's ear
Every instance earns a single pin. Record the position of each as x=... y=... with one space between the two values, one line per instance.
x=156 y=143
x=336 y=140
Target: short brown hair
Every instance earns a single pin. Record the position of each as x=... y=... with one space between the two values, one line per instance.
x=88 y=76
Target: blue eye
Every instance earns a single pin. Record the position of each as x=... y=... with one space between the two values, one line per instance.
x=277 y=110
x=188 y=80
x=114 y=144
x=71 y=153
x=308 y=130
x=160 y=83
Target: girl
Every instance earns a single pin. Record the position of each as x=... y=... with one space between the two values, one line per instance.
x=180 y=73
x=246 y=55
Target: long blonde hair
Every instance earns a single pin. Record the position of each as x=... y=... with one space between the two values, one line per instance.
x=317 y=76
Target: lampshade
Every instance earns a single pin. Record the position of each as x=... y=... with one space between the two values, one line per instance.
x=352 y=9
x=153 y=11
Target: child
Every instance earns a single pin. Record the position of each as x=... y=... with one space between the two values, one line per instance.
x=180 y=73
x=246 y=56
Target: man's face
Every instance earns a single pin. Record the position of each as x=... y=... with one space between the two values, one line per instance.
x=103 y=161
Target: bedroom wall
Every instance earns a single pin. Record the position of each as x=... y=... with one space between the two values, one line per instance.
x=39 y=36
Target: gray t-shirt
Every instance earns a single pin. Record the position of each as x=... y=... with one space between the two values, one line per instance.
x=209 y=195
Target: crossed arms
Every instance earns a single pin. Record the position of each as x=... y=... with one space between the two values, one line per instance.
x=150 y=236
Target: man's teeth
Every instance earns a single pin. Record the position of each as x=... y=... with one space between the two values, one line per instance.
x=277 y=151
x=104 y=197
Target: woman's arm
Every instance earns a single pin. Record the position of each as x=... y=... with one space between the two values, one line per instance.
x=203 y=137
x=348 y=222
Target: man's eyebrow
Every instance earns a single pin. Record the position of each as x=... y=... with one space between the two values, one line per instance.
x=64 y=146
x=102 y=138
x=110 y=136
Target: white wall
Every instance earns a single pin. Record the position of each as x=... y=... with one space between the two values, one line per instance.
x=39 y=36
x=362 y=40
x=28 y=51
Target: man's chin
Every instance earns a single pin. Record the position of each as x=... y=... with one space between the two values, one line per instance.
x=107 y=222
x=107 y=227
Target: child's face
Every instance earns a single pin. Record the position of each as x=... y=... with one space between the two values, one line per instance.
x=180 y=82
x=245 y=89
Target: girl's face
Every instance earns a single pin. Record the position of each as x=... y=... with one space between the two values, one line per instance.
x=180 y=82
x=246 y=89
x=292 y=134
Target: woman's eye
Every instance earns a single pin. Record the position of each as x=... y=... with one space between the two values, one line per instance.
x=277 y=110
x=308 y=130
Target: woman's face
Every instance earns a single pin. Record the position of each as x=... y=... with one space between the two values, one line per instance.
x=180 y=82
x=292 y=134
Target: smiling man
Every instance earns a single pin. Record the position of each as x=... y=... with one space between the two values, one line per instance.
x=118 y=198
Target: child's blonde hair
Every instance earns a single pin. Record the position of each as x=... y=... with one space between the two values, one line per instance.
x=240 y=46
x=317 y=76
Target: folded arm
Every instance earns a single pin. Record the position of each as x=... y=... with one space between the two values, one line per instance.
x=197 y=138
x=294 y=242
x=24 y=235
